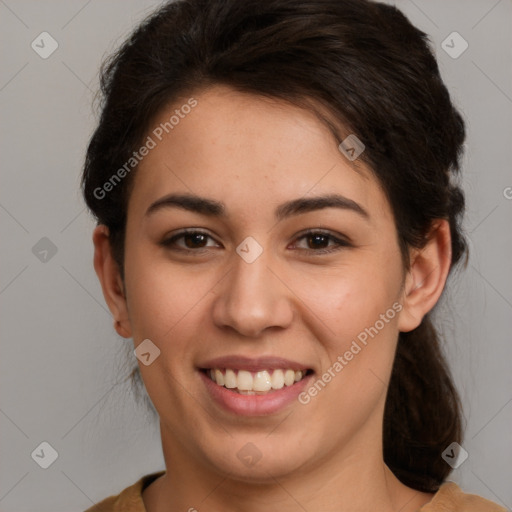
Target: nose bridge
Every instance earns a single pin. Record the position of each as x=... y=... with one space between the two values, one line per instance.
x=252 y=299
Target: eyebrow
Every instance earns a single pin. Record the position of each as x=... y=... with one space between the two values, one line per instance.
x=210 y=207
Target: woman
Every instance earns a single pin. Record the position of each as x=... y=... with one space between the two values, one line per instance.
x=278 y=213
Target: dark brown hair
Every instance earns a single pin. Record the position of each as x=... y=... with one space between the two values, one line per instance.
x=375 y=74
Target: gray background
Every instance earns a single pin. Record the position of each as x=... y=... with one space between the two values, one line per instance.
x=62 y=362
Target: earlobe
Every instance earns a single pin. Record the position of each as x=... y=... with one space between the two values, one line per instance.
x=427 y=276
x=112 y=285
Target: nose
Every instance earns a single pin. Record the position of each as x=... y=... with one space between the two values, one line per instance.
x=252 y=298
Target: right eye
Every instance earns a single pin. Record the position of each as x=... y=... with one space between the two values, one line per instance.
x=194 y=241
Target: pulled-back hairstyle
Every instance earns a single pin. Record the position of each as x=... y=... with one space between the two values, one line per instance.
x=374 y=74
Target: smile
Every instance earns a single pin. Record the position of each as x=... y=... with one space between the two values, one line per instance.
x=255 y=383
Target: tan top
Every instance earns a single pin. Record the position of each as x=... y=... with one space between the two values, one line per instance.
x=449 y=498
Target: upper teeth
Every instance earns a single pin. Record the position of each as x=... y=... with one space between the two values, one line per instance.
x=264 y=380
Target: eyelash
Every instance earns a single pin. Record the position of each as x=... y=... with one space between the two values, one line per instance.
x=168 y=243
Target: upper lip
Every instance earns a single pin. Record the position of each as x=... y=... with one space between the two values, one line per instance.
x=252 y=364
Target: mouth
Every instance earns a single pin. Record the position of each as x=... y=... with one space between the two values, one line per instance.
x=262 y=382
x=253 y=386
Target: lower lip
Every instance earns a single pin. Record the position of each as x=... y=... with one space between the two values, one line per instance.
x=254 y=405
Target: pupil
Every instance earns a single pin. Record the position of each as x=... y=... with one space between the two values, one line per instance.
x=316 y=238
x=197 y=238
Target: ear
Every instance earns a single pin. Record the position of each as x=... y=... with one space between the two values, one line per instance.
x=112 y=285
x=427 y=276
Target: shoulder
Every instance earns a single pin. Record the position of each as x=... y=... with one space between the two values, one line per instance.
x=128 y=500
x=450 y=498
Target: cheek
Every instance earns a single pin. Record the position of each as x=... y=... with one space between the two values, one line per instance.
x=164 y=303
x=160 y=295
x=350 y=299
x=358 y=312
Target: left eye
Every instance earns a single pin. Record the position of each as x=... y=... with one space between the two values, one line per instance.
x=320 y=242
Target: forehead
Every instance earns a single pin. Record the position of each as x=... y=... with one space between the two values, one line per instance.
x=247 y=151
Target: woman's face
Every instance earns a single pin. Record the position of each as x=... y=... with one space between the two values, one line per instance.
x=251 y=285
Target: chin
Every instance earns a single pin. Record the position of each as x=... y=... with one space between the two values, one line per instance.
x=256 y=460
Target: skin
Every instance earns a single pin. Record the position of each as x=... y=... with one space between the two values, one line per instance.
x=253 y=154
